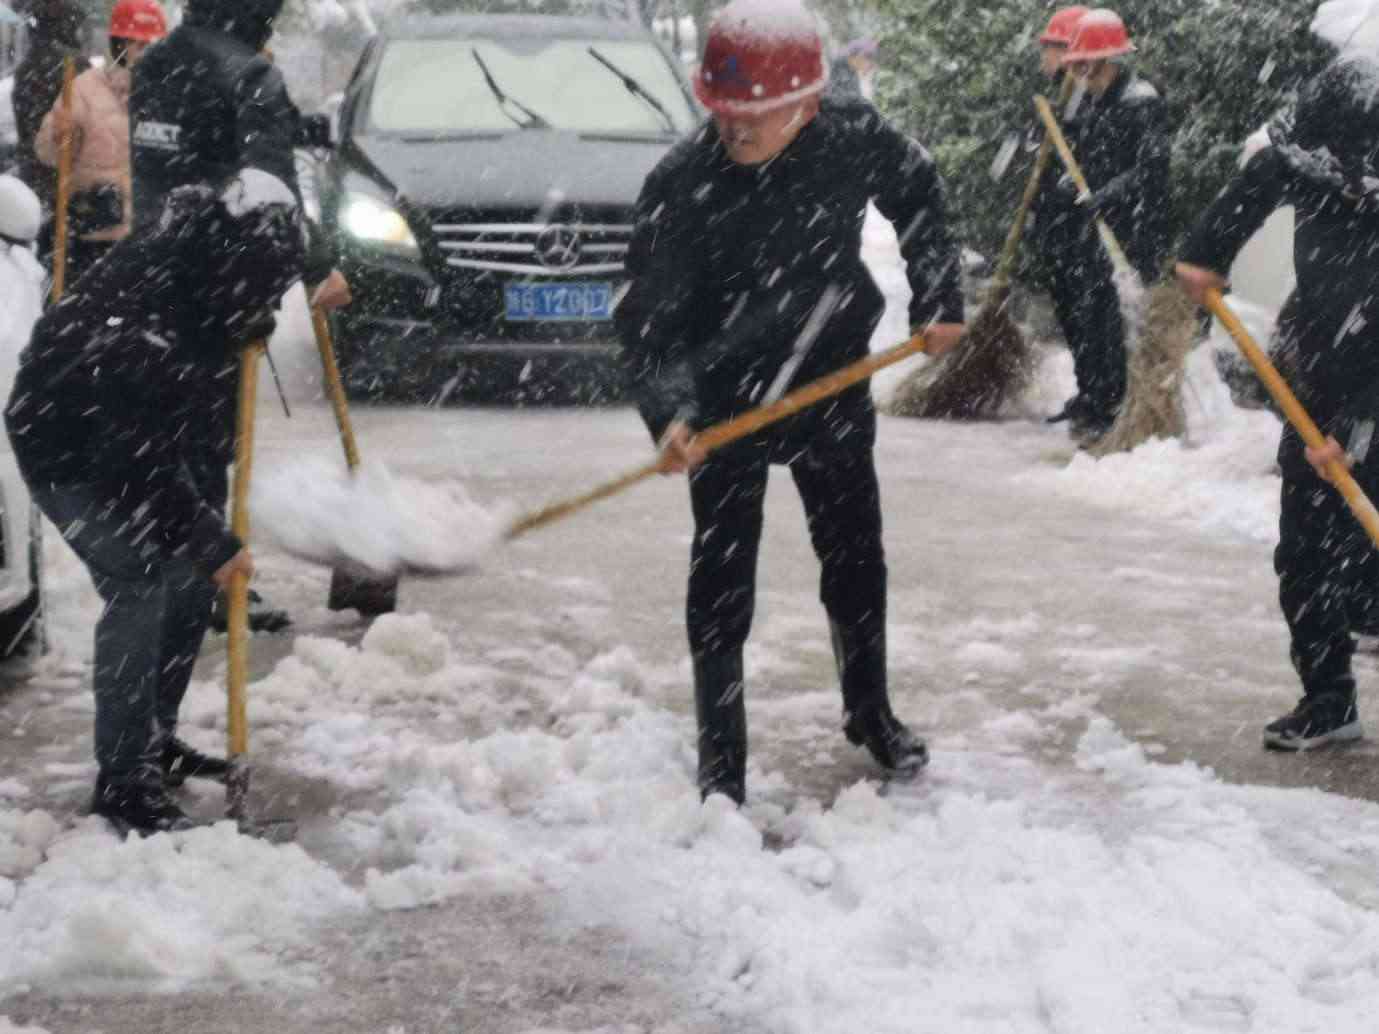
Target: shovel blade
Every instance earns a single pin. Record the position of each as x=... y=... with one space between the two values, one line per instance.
x=370 y=595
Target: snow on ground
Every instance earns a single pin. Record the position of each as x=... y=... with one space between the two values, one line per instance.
x=1004 y=892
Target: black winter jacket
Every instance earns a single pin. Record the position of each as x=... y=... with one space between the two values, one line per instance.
x=1121 y=141
x=205 y=104
x=114 y=376
x=1331 y=323
x=728 y=262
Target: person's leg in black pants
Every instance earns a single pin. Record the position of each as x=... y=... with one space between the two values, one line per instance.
x=726 y=494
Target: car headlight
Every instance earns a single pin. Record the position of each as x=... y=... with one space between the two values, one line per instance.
x=377 y=223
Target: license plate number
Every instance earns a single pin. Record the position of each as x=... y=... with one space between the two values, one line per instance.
x=550 y=302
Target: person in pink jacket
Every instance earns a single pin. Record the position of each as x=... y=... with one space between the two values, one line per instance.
x=100 y=208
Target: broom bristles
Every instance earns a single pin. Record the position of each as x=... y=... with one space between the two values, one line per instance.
x=1153 y=406
x=990 y=366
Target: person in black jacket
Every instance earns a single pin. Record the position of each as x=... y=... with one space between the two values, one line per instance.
x=106 y=389
x=1324 y=167
x=746 y=280
x=205 y=102
x=1118 y=132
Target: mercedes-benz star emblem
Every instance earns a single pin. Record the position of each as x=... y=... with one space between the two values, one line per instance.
x=558 y=247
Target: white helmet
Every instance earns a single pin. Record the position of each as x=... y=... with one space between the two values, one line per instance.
x=20 y=212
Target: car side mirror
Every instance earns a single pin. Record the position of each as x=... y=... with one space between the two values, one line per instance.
x=314 y=132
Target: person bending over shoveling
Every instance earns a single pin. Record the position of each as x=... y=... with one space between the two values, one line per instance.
x=106 y=389
x=1324 y=167
x=747 y=278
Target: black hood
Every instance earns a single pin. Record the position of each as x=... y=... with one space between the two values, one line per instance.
x=60 y=19
x=250 y=21
x=1338 y=112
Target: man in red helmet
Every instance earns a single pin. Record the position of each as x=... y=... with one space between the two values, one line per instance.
x=1119 y=132
x=101 y=207
x=747 y=279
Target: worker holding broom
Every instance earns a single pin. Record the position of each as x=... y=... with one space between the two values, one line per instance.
x=1118 y=131
x=747 y=279
x=1323 y=166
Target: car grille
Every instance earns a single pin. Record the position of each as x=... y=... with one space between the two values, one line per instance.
x=535 y=249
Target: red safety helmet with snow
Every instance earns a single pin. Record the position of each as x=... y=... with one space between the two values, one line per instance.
x=141 y=20
x=760 y=55
x=1059 y=32
x=1100 y=35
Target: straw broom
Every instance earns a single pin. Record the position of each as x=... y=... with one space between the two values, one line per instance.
x=993 y=363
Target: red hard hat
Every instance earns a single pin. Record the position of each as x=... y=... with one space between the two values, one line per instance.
x=1100 y=34
x=141 y=20
x=1062 y=26
x=760 y=55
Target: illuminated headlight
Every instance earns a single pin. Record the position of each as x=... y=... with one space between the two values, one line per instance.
x=377 y=223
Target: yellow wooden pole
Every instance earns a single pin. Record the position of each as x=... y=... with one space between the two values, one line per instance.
x=1017 y=228
x=725 y=433
x=238 y=666
x=64 y=184
x=1355 y=497
x=335 y=386
x=1060 y=143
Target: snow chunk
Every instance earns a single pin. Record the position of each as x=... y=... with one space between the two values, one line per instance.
x=410 y=639
x=373 y=519
x=253 y=189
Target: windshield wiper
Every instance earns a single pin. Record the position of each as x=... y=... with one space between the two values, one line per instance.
x=636 y=88
x=533 y=121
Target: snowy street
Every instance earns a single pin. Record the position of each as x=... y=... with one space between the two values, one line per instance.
x=500 y=827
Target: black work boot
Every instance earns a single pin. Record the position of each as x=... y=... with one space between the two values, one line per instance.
x=138 y=803
x=1319 y=719
x=721 y=711
x=868 y=720
x=262 y=616
x=181 y=761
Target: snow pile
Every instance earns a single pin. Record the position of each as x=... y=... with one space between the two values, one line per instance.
x=373 y=519
x=1221 y=479
x=1352 y=26
x=206 y=905
x=6 y=1027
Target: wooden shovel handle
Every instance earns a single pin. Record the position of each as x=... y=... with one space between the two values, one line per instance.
x=1355 y=497
x=64 y=184
x=1060 y=143
x=1036 y=179
x=728 y=431
x=335 y=386
x=237 y=720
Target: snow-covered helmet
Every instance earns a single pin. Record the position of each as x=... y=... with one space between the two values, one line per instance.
x=20 y=213
x=1061 y=27
x=1100 y=36
x=760 y=55
x=141 y=20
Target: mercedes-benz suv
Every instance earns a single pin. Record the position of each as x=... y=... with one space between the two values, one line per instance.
x=481 y=195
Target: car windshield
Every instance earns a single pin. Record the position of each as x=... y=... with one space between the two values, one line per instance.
x=435 y=87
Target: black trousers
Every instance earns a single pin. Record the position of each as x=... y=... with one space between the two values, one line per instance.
x=829 y=455
x=1087 y=306
x=1326 y=567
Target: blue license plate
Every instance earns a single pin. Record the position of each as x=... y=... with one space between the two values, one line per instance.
x=578 y=303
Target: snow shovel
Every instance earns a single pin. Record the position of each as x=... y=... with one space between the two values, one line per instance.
x=1341 y=477
x=992 y=363
x=1157 y=338
x=724 y=433
x=237 y=782
x=371 y=595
